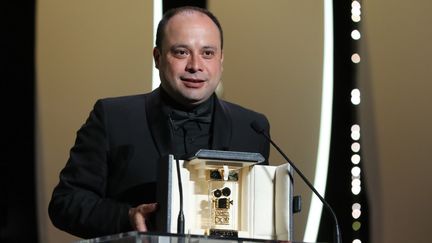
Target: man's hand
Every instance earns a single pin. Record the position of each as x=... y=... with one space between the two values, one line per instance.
x=138 y=216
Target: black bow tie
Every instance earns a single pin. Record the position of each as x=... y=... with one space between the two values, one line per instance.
x=179 y=118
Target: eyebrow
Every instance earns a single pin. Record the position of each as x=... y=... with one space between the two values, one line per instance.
x=210 y=47
x=178 y=46
x=186 y=46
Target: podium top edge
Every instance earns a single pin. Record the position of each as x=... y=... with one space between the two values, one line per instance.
x=227 y=155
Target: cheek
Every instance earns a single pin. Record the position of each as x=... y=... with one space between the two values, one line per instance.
x=166 y=69
x=175 y=68
x=216 y=70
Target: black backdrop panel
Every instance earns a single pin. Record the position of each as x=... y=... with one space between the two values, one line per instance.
x=17 y=163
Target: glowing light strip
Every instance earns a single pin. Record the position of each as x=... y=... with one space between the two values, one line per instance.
x=314 y=217
x=157 y=16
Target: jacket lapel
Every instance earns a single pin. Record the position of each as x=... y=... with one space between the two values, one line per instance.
x=158 y=124
x=221 y=126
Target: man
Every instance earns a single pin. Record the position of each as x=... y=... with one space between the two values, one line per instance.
x=109 y=182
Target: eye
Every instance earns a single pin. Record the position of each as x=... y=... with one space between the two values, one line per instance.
x=180 y=53
x=208 y=53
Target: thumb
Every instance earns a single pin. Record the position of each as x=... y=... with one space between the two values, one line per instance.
x=147 y=208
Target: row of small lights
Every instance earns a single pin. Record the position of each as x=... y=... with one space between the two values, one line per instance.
x=355 y=129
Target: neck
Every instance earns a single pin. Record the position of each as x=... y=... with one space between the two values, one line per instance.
x=170 y=101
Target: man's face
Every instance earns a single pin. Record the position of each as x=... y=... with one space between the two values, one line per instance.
x=190 y=59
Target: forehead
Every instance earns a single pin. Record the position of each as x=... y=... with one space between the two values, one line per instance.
x=187 y=23
x=188 y=17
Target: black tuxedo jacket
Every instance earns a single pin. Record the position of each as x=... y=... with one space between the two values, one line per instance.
x=113 y=164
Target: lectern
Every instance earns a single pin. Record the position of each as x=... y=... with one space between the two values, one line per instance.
x=138 y=237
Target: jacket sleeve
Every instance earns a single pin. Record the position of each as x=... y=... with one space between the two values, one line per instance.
x=79 y=204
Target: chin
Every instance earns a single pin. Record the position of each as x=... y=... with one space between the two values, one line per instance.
x=195 y=100
x=194 y=96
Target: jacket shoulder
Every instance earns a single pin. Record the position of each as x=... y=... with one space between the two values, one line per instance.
x=236 y=110
x=122 y=99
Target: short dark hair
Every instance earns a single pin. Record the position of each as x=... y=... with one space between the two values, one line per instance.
x=174 y=11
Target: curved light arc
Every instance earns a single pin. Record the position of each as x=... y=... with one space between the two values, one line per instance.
x=315 y=210
x=157 y=16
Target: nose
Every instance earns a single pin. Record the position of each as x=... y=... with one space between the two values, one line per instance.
x=194 y=64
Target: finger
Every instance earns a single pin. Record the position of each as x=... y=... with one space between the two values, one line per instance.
x=147 y=208
x=140 y=223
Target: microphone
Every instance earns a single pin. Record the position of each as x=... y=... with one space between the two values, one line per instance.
x=180 y=217
x=260 y=130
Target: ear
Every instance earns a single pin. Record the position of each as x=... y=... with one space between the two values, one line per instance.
x=156 y=56
x=221 y=60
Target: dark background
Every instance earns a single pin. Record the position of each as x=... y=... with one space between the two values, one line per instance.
x=17 y=165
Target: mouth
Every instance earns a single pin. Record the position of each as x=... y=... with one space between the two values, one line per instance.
x=192 y=82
